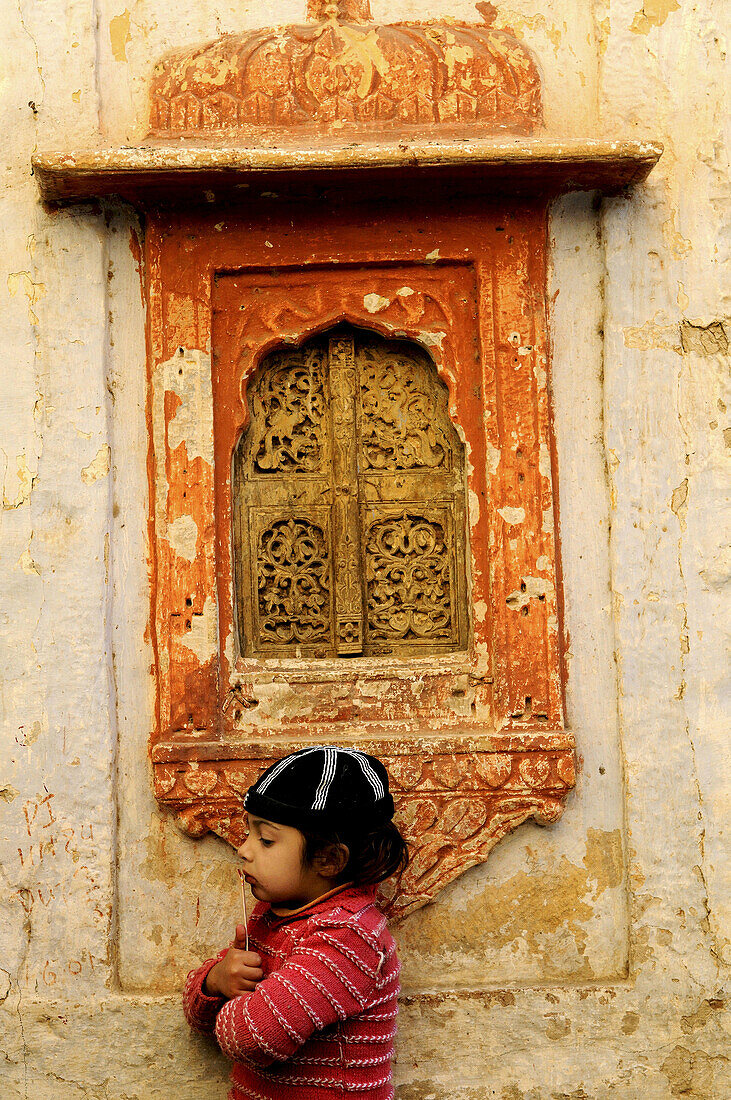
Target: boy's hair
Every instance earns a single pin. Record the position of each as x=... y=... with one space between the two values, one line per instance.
x=373 y=856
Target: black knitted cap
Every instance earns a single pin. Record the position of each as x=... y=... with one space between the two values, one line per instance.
x=323 y=787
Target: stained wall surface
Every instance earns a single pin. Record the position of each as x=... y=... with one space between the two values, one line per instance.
x=585 y=959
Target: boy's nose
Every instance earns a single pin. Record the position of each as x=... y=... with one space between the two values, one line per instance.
x=242 y=851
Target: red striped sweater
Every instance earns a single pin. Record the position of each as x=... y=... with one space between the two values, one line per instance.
x=321 y=1023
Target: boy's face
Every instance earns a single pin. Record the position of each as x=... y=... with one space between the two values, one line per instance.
x=273 y=866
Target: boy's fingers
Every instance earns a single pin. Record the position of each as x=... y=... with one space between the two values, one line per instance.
x=244 y=987
x=249 y=973
x=249 y=959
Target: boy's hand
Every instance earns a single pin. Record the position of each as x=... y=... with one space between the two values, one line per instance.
x=238 y=972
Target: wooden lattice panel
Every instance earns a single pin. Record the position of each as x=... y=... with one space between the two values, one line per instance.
x=348 y=501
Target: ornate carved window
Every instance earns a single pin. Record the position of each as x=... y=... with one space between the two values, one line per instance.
x=400 y=198
x=390 y=412
x=348 y=504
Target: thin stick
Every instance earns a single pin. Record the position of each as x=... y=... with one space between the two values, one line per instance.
x=243 y=905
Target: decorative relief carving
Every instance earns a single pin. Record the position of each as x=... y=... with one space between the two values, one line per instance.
x=408 y=566
x=452 y=806
x=343 y=372
x=401 y=414
x=429 y=307
x=323 y=407
x=287 y=410
x=293 y=574
x=341 y=67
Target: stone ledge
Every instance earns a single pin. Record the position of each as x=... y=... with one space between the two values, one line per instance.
x=187 y=746
x=195 y=174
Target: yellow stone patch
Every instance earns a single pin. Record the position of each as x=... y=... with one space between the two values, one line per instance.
x=653 y=14
x=119 y=35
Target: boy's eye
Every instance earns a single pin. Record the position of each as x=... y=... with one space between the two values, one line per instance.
x=266 y=843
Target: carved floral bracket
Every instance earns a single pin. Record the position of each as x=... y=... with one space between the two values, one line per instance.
x=392 y=179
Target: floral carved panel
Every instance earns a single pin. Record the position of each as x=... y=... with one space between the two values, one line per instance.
x=353 y=428
x=453 y=806
x=267 y=355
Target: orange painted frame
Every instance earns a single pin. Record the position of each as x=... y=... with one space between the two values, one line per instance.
x=477 y=303
x=421 y=302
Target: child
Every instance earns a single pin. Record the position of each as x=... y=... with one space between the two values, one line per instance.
x=310 y=1012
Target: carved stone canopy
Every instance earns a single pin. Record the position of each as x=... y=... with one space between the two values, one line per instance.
x=341 y=107
x=342 y=71
x=352 y=521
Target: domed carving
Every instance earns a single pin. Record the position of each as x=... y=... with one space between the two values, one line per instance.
x=340 y=71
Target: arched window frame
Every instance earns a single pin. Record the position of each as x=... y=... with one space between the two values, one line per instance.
x=349 y=530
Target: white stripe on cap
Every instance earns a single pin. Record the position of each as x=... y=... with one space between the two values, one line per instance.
x=368 y=771
x=328 y=774
x=328 y=771
x=283 y=764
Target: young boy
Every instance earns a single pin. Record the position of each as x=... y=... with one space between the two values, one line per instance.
x=310 y=1012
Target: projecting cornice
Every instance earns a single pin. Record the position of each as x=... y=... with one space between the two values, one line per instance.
x=199 y=173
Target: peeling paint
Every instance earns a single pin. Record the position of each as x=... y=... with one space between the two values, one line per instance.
x=27 y=565
x=531 y=588
x=474 y=507
x=689 y=1073
x=433 y=339
x=512 y=515
x=526 y=908
x=679 y=245
x=653 y=14
x=479 y=611
x=183 y=537
x=544 y=461
x=120 y=35
x=557 y=1027
x=703 y=1015
x=494 y=454
x=99 y=466
x=24 y=480
x=679 y=503
x=376 y=302
x=21 y=280
x=630 y=1022
x=188 y=376
x=201 y=637
x=652 y=335
x=704 y=340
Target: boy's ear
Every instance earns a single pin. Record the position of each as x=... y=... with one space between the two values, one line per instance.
x=331 y=861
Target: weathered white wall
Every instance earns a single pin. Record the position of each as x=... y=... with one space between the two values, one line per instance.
x=584 y=960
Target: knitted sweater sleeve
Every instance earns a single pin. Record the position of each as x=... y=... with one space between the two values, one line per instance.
x=329 y=976
x=199 y=1007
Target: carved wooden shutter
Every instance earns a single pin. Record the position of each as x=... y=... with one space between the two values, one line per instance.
x=349 y=512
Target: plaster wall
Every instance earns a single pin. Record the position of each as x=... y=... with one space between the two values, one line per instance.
x=586 y=958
